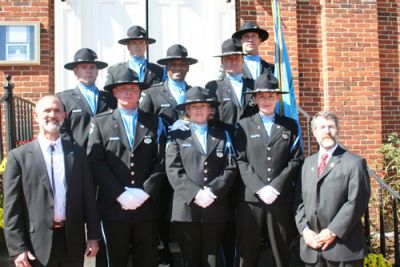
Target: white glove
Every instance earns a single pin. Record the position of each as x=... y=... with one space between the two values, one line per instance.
x=268 y=194
x=179 y=125
x=138 y=194
x=127 y=201
x=204 y=198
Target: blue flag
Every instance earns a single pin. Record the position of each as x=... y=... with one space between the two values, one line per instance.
x=283 y=72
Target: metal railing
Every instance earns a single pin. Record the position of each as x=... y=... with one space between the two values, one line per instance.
x=18 y=117
x=305 y=120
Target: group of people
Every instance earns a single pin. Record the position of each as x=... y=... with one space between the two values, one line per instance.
x=119 y=173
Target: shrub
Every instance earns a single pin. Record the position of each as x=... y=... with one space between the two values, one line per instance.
x=376 y=260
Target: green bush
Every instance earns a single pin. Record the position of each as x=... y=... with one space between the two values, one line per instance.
x=376 y=260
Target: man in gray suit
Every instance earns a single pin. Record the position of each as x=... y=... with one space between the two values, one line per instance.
x=334 y=196
x=49 y=196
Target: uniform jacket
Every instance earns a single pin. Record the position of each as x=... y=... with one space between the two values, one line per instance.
x=159 y=101
x=264 y=160
x=265 y=67
x=77 y=123
x=229 y=112
x=29 y=203
x=336 y=200
x=116 y=166
x=189 y=169
x=153 y=75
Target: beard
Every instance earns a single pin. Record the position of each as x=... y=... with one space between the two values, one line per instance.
x=327 y=142
x=52 y=126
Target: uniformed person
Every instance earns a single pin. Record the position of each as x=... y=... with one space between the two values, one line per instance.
x=137 y=43
x=162 y=99
x=86 y=100
x=126 y=149
x=231 y=88
x=269 y=157
x=251 y=36
x=201 y=169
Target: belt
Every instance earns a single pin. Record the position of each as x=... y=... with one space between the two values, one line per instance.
x=59 y=224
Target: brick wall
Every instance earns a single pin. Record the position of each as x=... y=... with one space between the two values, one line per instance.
x=345 y=58
x=32 y=82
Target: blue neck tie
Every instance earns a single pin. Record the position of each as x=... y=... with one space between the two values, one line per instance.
x=201 y=134
x=253 y=64
x=129 y=118
x=268 y=121
x=178 y=89
x=139 y=65
x=90 y=92
x=237 y=84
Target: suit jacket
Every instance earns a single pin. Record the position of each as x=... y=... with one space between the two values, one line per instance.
x=153 y=74
x=28 y=202
x=116 y=166
x=229 y=112
x=265 y=67
x=189 y=169
x=77 y=123
x=336 y=200
x=263 y=160
x=159 y=101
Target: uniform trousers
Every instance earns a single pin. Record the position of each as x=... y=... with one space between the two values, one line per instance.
x=59 y=253
x=258 y=223
x=139 y=239
x=200 y=243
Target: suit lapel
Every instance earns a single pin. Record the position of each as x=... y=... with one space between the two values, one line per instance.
x=148 y=75
x=166 y=94
x=259 y=125
x=196 y=143
x=101 y=102
x=230 y=91
x=246 y=71
x=77 y=95
x=68 y=162
x=38 y=160
x=140 y=131
x=212 y=141
x=276 y=130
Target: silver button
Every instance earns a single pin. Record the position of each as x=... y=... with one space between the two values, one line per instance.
x=205 y=171
x=132 y=164
x=269 y=158
x=268 y=148
x=269 y=179
x=132 y=173
x=205 y=163
x=132 y=155
x=205 y=179
x=132 y=182
x=269 y=169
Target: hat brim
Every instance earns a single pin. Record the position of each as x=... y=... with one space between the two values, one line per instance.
x=229 y=54
x=266 y=90
x=189 y=60
x=126 y=40
x=263 y=34
x=182 y=107
x=142 y=86
x=99 y=64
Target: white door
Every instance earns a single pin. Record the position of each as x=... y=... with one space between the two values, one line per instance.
x=199 y=25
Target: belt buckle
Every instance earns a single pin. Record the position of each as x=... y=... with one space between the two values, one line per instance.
x=59 y=224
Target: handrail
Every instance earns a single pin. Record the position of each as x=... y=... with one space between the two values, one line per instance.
x=393 y=192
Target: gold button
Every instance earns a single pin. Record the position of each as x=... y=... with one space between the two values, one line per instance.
x=132 y=182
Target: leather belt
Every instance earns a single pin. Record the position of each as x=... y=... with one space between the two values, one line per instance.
x=59 y=224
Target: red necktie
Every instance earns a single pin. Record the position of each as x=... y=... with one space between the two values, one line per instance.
x=322 y=165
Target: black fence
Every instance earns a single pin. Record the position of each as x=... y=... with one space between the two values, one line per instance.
x=16 y=115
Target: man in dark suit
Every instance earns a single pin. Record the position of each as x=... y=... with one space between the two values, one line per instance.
x=86 y=100
x=231 y=88
x=126 y=149
x=269 y=157
x=49 y=197
x=334 y=196
x=251 y=36
x=162 y=99
x=137 y=43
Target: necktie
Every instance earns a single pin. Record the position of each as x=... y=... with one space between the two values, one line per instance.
x=322 y=165
x=53 y=185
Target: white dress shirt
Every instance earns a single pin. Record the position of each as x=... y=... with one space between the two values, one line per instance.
x=324 y=151
x=59 y=174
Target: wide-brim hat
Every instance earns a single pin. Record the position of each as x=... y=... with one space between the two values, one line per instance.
x=174 y=52
x=126 y=76
x=266 y=83
x=85 y=56
x=229 y=47
x=198 y=94
x=136 y=33
x=250 y=26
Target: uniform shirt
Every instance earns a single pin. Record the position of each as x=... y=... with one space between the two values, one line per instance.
x=237 y=84
x=200 y=131
x=177 y=89
x=254 y=65
x=91 y=94
x=59 y=174
x=129 y=118
x=268 y=121
x=138 y=65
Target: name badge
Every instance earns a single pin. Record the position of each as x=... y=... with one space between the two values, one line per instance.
x=114 y=138
x=226 y=99
x=165 y=105
x=254 y=136
x=147 y=140
x=76 y=110
x=186 y=145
